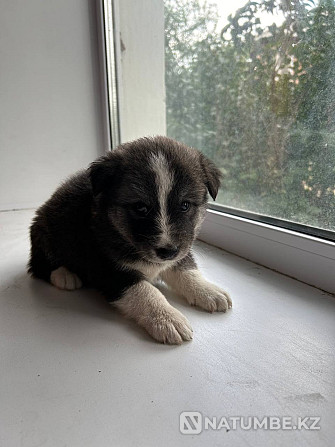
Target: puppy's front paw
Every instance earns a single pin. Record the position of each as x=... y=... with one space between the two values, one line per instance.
x=63 y=279
x=169 y=326
x=210 y=297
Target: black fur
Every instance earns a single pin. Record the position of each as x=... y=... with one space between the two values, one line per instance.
x=90 y=225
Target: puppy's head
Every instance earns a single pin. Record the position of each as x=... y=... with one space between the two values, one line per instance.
x=154 y=192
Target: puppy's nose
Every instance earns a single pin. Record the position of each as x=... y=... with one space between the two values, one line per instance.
x=167 y=252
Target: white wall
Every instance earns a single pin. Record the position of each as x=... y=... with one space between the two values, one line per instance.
x=50 y=111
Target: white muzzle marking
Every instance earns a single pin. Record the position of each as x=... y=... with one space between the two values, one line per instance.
x=164 y=182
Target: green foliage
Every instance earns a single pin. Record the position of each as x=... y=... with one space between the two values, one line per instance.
x=259 y=101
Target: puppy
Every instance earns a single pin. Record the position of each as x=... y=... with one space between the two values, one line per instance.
x=129 y=219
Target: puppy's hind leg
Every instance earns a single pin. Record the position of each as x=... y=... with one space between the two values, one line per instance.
x=39 y=264
x=63 y=279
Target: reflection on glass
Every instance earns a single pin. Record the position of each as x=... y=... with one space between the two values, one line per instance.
x=252 y=84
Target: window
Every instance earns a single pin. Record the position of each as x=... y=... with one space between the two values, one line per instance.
x=252 y=84
x=269 y=126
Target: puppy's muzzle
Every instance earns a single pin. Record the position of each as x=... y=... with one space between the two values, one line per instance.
x=167 y=252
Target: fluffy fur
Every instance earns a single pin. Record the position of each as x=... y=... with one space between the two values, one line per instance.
x=128 y=219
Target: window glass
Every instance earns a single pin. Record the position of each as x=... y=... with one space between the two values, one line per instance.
x=252 y=84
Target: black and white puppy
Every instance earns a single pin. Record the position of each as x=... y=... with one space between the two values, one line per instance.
x=129 y=219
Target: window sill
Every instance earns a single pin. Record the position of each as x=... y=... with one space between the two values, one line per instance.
x=306 y=258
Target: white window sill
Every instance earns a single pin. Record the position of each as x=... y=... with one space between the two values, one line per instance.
x=303 y=257
x=67 y=357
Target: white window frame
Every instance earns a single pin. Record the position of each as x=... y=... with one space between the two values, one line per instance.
x=307 y=258
x=141 y=111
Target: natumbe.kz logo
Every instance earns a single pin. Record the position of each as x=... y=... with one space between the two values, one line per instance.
x=193 y=423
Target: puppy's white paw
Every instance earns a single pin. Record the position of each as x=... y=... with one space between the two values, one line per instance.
x=148 y=306
x=210 y=297
x=63 y=279
x=168 y=326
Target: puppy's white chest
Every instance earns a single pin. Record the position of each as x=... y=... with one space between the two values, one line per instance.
x=150 y=271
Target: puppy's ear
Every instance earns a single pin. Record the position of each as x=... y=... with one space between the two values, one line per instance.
x=212 y=176
x=104 y=171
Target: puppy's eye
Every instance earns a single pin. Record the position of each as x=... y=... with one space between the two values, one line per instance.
x=185 y=206
x=141 y=208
